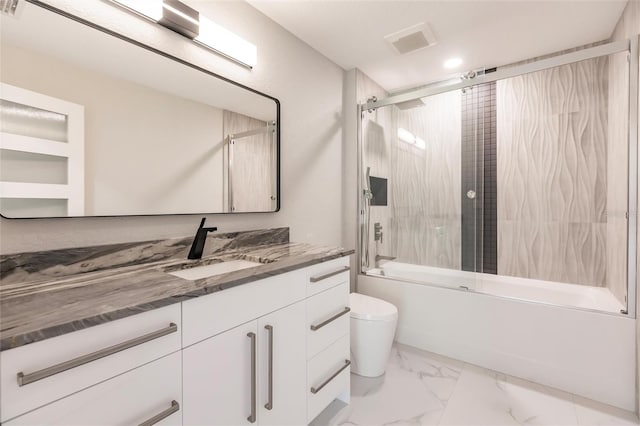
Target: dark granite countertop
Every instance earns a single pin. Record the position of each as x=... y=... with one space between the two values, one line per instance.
x=79 y=288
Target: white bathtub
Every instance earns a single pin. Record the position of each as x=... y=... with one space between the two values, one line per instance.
x=517 y=326
x=561 y=294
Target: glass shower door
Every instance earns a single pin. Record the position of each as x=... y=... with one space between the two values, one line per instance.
x=516 y=187
x=413 y=153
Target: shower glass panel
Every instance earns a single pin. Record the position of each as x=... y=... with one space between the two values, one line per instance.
x=562 y=180
x=516 y=187
x=413 y=152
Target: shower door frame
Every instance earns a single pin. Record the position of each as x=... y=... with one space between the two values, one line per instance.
x=629 y=45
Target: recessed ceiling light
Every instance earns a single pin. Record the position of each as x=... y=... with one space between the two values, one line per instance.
x=453 y=63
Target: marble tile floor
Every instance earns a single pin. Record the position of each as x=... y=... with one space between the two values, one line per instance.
x=422 y=388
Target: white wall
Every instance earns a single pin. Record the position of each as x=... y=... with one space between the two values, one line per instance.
x=309 y=87
x=136 y=138
x=350 y=215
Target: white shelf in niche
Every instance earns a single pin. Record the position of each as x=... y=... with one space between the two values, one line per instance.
x=30 y=144
x=34 y=190
x=72 y=149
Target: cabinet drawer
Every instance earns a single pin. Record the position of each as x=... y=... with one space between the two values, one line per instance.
x=328 y=376
x=207 y=316
x=129 y=399
x=327 y=318
x=326 y=275
x=57 y=367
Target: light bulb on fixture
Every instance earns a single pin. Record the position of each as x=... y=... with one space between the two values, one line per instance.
x=151 y=9
x=223 y=41
x=452 y=63
x=184 y=20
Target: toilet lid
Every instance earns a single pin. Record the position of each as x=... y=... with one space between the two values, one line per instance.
x=370 y=308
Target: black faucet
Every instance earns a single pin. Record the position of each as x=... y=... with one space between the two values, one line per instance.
x=198 y=242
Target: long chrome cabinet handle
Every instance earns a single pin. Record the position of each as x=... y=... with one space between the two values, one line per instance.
x=329 y=274
x=315 y=327
x=252 y=416
x=333 y=376
x=25 y=379
x=175 y=407
x=269 y=404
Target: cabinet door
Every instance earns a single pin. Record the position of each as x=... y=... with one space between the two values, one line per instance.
x=282 y=366
x=217 y=378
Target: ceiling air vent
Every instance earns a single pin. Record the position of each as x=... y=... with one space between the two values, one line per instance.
x=9 y=7
x=411 y=39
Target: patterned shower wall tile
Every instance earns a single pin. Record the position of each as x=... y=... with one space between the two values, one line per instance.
x=552 y=174
x=553 y=168
x=617 y=137
x=426 y=184
x=377 y=130
x=552 y=147
x=430 y=241
x=617 y=257
x=377 y=147
x=553 y=251
x=617 y=175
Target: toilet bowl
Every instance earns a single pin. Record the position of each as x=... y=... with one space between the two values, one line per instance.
x=373 y=325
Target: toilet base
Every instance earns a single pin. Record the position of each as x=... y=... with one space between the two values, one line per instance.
x=371 y=343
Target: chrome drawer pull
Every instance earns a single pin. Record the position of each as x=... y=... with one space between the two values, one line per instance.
x=254 y=349
x=333 y=318
x=175 y=407
x=25 y=379
x=333 y=376
x=329 y=274
x=269 y=404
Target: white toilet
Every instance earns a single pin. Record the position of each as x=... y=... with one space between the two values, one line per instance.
x=373 y=325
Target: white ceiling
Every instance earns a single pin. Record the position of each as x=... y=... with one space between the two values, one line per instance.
x=484 y=33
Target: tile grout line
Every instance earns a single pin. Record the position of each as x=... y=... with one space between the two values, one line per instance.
x=455 y=388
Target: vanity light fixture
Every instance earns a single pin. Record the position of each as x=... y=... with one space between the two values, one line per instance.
x=188 y=22
x=407 y=137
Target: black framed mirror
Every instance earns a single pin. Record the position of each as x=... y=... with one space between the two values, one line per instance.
x=96 y=124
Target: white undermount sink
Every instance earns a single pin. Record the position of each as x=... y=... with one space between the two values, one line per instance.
x=206 y=271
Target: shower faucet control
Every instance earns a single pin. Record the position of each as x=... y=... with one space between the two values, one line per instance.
x=377 y=232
